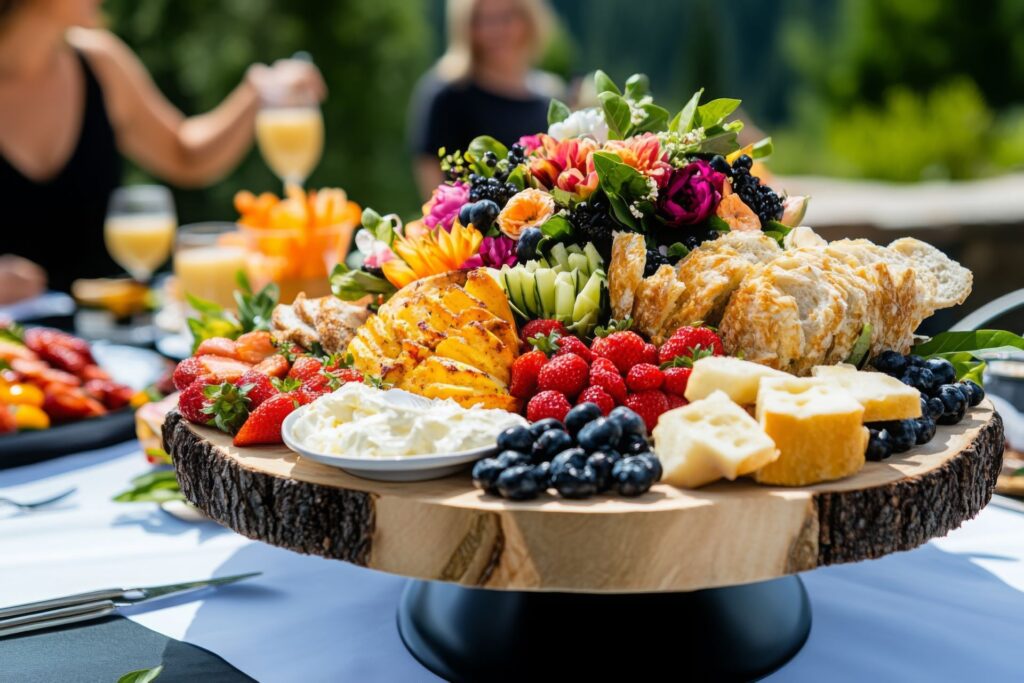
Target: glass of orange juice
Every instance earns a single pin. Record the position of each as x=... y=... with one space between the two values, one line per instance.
x=207 y=259
x=139 y=228
x=291 y=140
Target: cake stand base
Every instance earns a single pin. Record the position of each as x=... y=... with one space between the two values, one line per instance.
x=736 y=633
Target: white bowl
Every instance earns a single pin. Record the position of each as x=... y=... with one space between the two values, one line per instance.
x=393 y=468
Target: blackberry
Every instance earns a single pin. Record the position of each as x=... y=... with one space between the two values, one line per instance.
x=494 y=189
x=516 y=155
x=761 y=199
x=655 y=259
x=592 y=222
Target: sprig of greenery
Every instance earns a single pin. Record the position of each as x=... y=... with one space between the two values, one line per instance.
x=350 y=284
x=968 y=350
x=13 y=332
x=254 y=312
x=142 y=675
x=158 y=486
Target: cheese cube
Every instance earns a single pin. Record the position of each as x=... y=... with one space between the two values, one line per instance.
x=739 y=379
x=883 y=397
x=710 y=439
x=817 y=427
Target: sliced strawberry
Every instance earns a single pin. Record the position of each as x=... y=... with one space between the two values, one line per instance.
x=264 y=423
x=90 y=372
x=273 y=366
x=218 y=346
x=63 y=403
x=253 y=347
x=111 y=394
x=221 y=368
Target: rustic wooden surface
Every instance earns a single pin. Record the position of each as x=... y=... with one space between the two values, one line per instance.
x=667 y=540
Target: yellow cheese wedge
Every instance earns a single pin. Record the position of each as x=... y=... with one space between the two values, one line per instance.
x=739 y=379
x=710 y=439
x=817 y=427
x=883 y=397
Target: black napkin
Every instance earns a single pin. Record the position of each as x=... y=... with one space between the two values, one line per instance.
x=104 y=650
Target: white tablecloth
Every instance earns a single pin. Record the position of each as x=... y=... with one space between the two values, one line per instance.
x=951 y=610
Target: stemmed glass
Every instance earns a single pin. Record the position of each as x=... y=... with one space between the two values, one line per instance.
x=139 y=229
x=290 y=130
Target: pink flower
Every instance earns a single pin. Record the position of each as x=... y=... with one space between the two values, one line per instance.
x=643 y=152
x=691 y=194
x=444 y=204
x=495 y=252
x=530 y=142
x=567 y=164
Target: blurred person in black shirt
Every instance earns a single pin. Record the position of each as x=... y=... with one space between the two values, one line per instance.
x=484 y=84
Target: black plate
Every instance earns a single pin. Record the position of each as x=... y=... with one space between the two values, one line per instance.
x=135 y=367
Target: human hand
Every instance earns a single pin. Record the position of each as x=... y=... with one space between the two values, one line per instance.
x=295 y=82
x=19 y=279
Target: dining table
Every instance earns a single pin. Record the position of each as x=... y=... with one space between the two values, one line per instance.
x=950 y=610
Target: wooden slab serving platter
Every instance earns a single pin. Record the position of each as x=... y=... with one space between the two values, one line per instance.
x=666 y=540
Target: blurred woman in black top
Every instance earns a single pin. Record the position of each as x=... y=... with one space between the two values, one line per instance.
x=484 y=83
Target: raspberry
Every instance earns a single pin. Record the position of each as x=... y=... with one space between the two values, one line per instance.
x=541 y=327
x=571 y=344
x=676 y=380
x=566 y=374
x=650 y=354
x=625 y=349
x=598 y=396
x=649 y=405
x=644 y=377
x=608 y=379
x=524 y=374
x=547 y=404
x=675 y=401
x=691 y=342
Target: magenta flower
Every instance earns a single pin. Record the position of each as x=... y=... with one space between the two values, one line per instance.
x=691 y=194
x=495 y=252
x=531 y=142
x=444 y=204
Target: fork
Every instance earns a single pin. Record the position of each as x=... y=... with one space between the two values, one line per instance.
x=38 y=503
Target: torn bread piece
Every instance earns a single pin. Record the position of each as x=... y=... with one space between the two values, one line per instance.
x=954 y=282
x=626 y=272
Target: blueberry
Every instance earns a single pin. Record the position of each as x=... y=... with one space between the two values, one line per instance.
x=575 y=482
x=954 y=404
x=935 y=408
x=633 y=444
x=879 y=445
x=551 y=443
x=526 y=247
x=464 y=218
x=580 y=415
x=719 y=164
x=977 y=393
x=517 y=483
x=512 y=458
x=602 y=463
x=570 y=458
x=903 y=434
x=920 y=378
x=518 y=438
x=653 y=462
x=541 y=426
x=942 y=369
x=628 y=421
x=482 y=214
x=485 y=473
x=743 y=161
x=925 y=427
x=915 y=361
x=600 y=433
x=542 y=475
x=891 y=363
x=632 y=476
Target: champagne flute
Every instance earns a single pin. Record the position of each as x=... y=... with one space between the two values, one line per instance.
x=290 y=129
x=139 y=229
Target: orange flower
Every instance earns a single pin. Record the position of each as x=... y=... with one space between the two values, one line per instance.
x=430 y=253
x=643 y=152
x=528 y=209
x=567 y=165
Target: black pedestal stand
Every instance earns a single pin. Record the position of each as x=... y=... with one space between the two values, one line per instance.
x=723 y=634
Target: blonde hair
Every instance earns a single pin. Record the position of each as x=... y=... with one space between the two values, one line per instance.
x=457 y=61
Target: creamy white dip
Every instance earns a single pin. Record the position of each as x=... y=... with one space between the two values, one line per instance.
x=360 y=421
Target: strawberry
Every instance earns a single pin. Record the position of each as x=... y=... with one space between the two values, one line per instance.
x=192 y=402
x=257 y=387
x=691 y=342
x=253 y=347
x=524 y=374
x=644 y=377
x=346 y=375
x=566 y=374
x=570 y=344
x=650 y=354
x=541 y=327
x=649 y=405
x=90 y=372
x=218 y=346
x=305 y=368
x=187 y=372
x=676 y=379
x=63 y=403
x=274 y=366
x=675 y=401
x=222 y=369
x=228 y=404
x=625 y=349
x=604 y=374
x=7 y=422
x=597 y=396
x=112 y=395
x=547 y=404
x=263 y=425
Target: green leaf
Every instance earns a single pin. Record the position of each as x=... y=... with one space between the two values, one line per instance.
x=678 y=250
x=518 y=177
x=603 y=83
x=370 y=219
x=620 y=209
x=990 y=341
x=563 y=197
x=723 y=142
x=14 y=333
x=715 y=112
x=154 y=477
x=717 y=223
x=558 y=111
x=656 y=121
x=618 y=178
x=351 y=285
x=617 y=114
x=483 y=144
x=557 y=227
x=762 y=148
x=860 y=347
x=204 y=306
x=142 y=675
x=637 y=86
x=684 y=120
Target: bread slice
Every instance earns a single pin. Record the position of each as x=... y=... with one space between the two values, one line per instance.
x=883 y=397
x=626 y=272
x=738 y=379
x=954 y=281
x=761 y=323
x=817 y=427
x=710 y=277
x=756 y=247
x=656 y=299
x=710 y=439
x=802 y=237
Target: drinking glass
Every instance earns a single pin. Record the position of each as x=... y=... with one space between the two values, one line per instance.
x=207 y=258
x=139 y=229
x=290 y=130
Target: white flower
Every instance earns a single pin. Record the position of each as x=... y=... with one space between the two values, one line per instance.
x=373 y=249
x=589 y=122
x=635 y=210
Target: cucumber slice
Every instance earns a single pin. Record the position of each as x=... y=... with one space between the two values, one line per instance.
x=585 y=325
x=543 y=263
x=513 y=281
x=560 y=255
x=594 y=258
x=579 y=262
x=528 y=281
x=545 y=280
x=565 y=297
x=589 y=298
x=530 y=266
x=574 y=249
